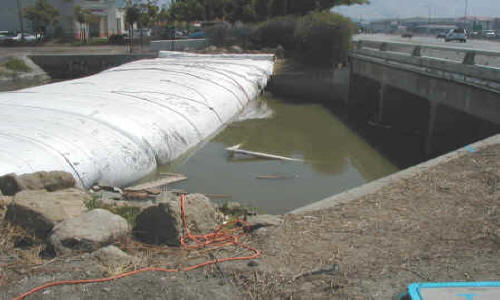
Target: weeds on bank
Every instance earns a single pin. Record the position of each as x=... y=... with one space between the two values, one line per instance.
x=129 y=213
x=17 y=64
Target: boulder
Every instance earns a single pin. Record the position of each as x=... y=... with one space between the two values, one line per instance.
x=112 y=256
x=87 y=232
x=162 y=224
x=38 y=211
x=259 y=221
x=11 y=184
x=236 y=49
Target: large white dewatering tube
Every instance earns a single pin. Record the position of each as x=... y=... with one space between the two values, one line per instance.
x=117 y=126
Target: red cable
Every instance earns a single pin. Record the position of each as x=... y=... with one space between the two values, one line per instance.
x=216 y=239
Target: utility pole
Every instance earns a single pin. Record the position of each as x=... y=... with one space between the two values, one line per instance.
x=20 y=18
x=465 y=14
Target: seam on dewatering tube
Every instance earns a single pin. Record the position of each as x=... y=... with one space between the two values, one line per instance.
x=33 y=141
x=125 y=93
x=141 y=144
x=220 y=72
x=20 y=159
x=182 y=97
x=184 y=73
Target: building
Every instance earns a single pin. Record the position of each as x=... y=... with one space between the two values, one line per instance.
x=110 y=17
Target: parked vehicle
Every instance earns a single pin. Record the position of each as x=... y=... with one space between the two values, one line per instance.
x=197 y=35
x=489 y=34
x=458 y=34
x=7 y=37
x=406 y=35
x=441 y=34
x=28 y=37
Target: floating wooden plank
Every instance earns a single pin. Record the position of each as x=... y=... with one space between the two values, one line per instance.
x=276 y=177
x=171 y=178
x=236 y=149
x=218 y=196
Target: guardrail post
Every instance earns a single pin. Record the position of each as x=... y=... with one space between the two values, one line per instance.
x=383 y=47
x=417 y=51
x=470 y=58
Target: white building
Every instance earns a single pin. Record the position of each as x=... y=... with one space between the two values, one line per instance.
x=111 y=14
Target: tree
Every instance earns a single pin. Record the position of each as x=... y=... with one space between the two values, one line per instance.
x=262 y=9
x=132 y=14
x=303 y=7
x=187 y=10
x=42 y=14
x=20 y=15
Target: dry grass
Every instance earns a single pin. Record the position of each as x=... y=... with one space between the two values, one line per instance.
x=441 y=225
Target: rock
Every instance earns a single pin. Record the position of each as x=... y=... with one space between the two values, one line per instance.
x=212 y=49
x=253 y=263
x=11 y=184
x=279 y=52
x=162 y=224
x=236 y=49
x=38 y=211
x=112 y=256
x=136 y=195
x=259 y=221
x=87 y=232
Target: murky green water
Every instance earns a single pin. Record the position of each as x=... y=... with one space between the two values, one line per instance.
x=336 y=159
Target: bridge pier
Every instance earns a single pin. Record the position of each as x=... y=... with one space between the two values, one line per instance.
x=382 y=92
x=430 y=129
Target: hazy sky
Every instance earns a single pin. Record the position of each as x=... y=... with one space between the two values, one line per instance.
x=422 y=8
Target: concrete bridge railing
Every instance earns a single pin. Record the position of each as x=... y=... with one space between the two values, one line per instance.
x=469 y=66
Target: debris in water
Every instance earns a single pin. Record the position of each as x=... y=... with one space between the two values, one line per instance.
x=157 y=184
x=236 y=149
x=277 y=177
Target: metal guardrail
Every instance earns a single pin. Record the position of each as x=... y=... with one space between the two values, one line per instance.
x=416 y=50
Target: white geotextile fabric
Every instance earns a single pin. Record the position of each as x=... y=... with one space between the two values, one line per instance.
x=117 y=126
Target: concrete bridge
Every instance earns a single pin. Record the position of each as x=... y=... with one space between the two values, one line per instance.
x=447 y=95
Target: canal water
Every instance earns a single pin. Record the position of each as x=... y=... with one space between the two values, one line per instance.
x=335 y=159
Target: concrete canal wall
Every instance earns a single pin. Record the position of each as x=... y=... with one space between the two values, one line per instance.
x=117 y=126
x=407 y=174
x=69 y=66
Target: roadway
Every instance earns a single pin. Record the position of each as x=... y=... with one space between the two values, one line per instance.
x=488 y=45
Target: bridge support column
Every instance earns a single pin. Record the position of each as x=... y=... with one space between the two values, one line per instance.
x=428 y=149
x=382 y=93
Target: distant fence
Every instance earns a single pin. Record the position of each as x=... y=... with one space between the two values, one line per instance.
x=179 y=45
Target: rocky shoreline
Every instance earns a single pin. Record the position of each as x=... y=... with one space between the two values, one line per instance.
x=52 y=219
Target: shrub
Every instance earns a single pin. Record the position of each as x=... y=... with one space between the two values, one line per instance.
x=219 y=34
x=277 y=31
x=241 y=34
x=17 y=64
x=323 y=38
x=118 y=39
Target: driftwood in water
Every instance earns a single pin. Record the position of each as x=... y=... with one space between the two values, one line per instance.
x=218 y=196
x=236 y=149
x=171 y=178
x=276 y=177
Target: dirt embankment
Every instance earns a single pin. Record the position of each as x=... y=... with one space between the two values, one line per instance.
x=439 y=225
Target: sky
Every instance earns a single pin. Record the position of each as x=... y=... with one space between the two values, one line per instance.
x=422 y=8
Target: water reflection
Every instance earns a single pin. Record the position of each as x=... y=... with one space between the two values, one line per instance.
x=336 y=159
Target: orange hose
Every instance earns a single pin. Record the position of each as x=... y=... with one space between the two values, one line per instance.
x=216 y=239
